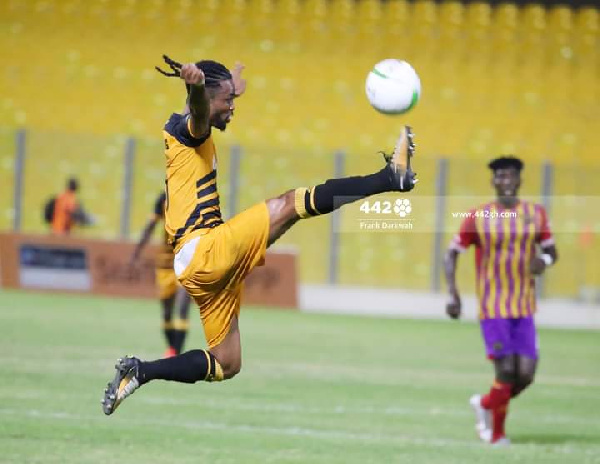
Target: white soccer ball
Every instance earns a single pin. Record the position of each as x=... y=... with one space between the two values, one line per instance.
x=393 y=87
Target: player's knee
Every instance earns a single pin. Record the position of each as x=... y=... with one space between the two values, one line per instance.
x=231 y=369
x=283 y=207
x=506 y=375
x=525 y=380
x=506 y=369
x=230 y=363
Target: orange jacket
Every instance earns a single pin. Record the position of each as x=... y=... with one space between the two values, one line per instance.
x=64 y=207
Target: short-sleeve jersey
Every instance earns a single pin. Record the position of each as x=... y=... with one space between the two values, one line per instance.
x=192 y=200
x=505 y=243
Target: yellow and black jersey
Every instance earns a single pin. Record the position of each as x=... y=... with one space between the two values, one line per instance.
x=164 y=258
x=192 y=200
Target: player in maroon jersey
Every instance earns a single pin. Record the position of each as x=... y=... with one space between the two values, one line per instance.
x=513 y=244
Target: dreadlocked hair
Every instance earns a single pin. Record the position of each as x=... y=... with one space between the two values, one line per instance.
x=214 y=72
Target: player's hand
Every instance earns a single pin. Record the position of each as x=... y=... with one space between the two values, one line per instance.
x=454 y=305
x=238 y=82
x=537 y=266
x=191 y=74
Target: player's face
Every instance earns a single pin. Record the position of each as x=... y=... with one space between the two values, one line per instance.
x=222 y=105
x=507 y=182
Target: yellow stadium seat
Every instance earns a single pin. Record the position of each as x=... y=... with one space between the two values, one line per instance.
x=7 y=177
x=424 y=12
x=478 y=15
x=259 y=8
x=314 y=9
x=341 y=10
x=587 y=19
x=397 y=12
x=533 y=17
x=560 y=19
x=451 y=13
x=369 y=10
x=285 y=7
x=506 y=16
x=586 y=35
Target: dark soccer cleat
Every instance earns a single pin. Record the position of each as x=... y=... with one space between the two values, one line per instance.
x=126 y=381
x=399 y=161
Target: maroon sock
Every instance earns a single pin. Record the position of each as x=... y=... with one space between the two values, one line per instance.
x=497 y=400
x=497 y=395
x=498 y=420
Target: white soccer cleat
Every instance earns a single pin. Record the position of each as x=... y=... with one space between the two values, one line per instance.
x=501 y=442
x=483 y=418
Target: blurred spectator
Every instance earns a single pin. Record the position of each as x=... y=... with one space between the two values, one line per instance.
x=64 y=211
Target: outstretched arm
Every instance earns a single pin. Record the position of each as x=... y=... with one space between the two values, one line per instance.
x=146 y=234
x=199 y=102
x=454 y=305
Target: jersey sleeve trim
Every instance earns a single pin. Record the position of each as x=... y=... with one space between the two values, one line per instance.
x=177 y=126
x=456 y=245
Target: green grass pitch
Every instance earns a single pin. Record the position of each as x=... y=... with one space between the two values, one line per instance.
x=313 y=389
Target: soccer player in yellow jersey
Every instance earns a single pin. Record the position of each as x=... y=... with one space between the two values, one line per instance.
x=507 y=234
x=213 y=257
x=171 y=294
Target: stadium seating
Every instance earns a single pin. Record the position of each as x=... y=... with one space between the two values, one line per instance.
x=7 y=168
x=495 y=79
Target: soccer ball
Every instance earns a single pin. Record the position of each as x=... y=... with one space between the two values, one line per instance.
x=393 y=87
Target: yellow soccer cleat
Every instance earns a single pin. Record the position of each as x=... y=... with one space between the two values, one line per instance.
x=400 y=161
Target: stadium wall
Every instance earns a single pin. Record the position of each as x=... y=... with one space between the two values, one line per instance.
x=426 y=305
x=65 y=264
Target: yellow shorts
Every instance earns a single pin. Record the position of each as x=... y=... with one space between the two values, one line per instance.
x=221 y=260
x=167 y=283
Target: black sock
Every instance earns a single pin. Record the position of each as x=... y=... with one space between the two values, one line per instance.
x=169 y=333
x=188 y=367
x=334 y=193
x=178 y=340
